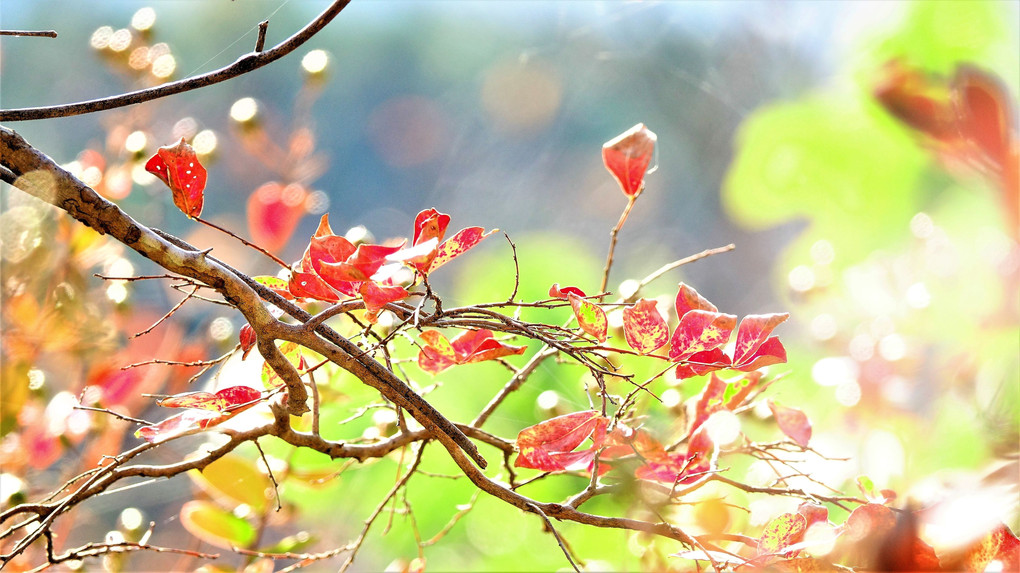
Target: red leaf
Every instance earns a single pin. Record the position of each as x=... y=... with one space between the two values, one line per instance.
x=377 y=296
x=700 y=331
x=468 y=346
x=556 y=292
x=590 y=317
x=309 y=285
x=457 y=245
x=177 y=425
x=783 y=531
x=751 y=335
x=627 y=157
x=178 y=167
x=983 y=112
x=222 y=401
x=248 y=340
x=688 y=299
x=870 y=520
x=644 y=327
x=205 y=411
x=479 y=346
x=549 y=445
x=709 y=402
x=813 y=513
x=430 y=224
x=1000 y=544
x=274 y=211
x=769 y=353
x=792 y=422
x=702 y=363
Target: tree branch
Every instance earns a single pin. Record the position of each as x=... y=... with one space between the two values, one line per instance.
x=242 y=65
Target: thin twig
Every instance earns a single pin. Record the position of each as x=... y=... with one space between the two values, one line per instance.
x=612 y=240
x=114 y=414
x=247 y=243
x=260 y=43
x=269 y=470
x=30 y=33
x=241 y=66
x=168 y=314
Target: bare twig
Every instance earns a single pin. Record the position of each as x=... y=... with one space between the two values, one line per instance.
x=30 y=33
x=612 y=239
x=260 y=43
x=243 y=65
x=247 y=243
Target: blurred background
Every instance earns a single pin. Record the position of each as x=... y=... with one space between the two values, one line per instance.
x=895 y=253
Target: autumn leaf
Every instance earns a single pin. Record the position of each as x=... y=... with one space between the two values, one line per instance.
x=276 y=284
x=274 y=211
x=870 y=520
x=430 y=225
x=688 y=299
x=438 y=354
x=222 y=401
x=555 y=291
x=549 y=445
x=754 y=348
x=700 y=331
x=309 y=285
x=792 y=422
x=292 y=352
x=644 y=328
x=248 y=338
x=781 y=532
x=627 y=157
x=590 y=317
x=1000 y=544
x=178 y=166
x=205 y=410
x=376 y=296
x=457 y=245
x=429 y=228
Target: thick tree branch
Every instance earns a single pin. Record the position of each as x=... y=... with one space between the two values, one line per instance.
x=242 y=65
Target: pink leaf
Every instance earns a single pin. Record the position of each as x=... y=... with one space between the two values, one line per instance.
x=644 y=327
x=792 y=422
